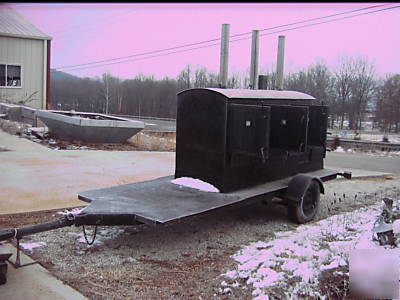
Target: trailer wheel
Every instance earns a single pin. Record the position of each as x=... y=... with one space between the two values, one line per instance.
x=308 y=206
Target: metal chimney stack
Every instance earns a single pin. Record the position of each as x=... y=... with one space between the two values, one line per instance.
x=280 y=62
x=223 y=70
x=254 y=61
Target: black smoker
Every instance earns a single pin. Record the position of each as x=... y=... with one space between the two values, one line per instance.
x=251 y=144
x=235 y=138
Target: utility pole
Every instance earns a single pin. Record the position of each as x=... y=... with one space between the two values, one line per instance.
x=280 y=62
x=223 y=69
x=254 y=61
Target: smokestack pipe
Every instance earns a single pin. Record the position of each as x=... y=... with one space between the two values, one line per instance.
x=223 y=66
x=280 y=62
x=254 y=61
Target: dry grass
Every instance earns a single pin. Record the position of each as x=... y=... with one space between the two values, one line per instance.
x=154 y=141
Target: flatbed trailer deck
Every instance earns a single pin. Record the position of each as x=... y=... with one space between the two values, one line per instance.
x=160 y=201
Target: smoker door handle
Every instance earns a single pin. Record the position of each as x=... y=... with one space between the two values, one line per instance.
x=263 y=156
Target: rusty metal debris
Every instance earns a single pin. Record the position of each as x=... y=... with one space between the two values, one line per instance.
x=383 y=226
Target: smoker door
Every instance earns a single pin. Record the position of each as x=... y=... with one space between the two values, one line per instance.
x=289 y=127
x=249 y=132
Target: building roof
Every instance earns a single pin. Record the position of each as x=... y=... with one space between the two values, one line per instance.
x=14 y=25
x=261 y=94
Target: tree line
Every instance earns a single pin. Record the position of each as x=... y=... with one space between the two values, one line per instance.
x=352 y=90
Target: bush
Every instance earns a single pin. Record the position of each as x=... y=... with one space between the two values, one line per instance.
x=336 y=142
x=357 y=136
x=385 y=139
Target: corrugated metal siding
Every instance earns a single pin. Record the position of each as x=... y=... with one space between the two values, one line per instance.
x=13 y=24
x=29 y=54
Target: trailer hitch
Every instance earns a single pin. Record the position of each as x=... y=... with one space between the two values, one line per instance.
x=18 y=233
x=345 y=174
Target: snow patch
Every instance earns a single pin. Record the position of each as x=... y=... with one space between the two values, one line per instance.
x=30 y=246
x=101 y=236
x=396 y=226
x=230 y=274
x=74 y=211
x=195 y=184
x=339 y=149
x=262 y=297
x=304 y=253
x=332 y=265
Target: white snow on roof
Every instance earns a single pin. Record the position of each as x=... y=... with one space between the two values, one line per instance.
x=261 y=94
x=195 y=184
x=13 y=24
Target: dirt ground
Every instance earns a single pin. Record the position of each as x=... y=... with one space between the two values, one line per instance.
x=183 y=259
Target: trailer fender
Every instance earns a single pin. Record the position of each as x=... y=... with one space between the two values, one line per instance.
x=298 y=186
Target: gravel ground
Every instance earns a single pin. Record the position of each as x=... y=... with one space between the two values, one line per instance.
x=183 y=259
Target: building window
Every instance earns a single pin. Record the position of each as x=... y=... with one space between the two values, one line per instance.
x=10 y=75
x=2 y=75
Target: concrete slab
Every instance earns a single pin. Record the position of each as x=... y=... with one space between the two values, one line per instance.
x=358 y=172
x=34 y=177
x=34 y=282
x=363 y=161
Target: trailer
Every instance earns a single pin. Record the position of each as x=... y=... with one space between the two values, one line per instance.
x=252 y=145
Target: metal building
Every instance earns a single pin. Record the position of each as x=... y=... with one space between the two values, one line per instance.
x=24 y=61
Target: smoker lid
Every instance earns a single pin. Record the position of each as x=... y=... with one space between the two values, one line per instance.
x=258 y=94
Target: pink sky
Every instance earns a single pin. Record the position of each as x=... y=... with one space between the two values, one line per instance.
x=88 y=32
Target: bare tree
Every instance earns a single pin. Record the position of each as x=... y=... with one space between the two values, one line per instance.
x=105 y=90
x=212 y=80
x=362 y=91
x=347 y=90
x=200 y=77
x=343 y=85
x=388 y=103
x=184 y=78
x=233 y=81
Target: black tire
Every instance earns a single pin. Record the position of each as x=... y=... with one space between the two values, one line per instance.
x=306 y=210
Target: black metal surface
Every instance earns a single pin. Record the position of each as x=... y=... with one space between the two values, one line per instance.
x=18 y=233
x=3 y=272
x=235 y=139
x=154 y=201
x=160 y=201
x=250 y=130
